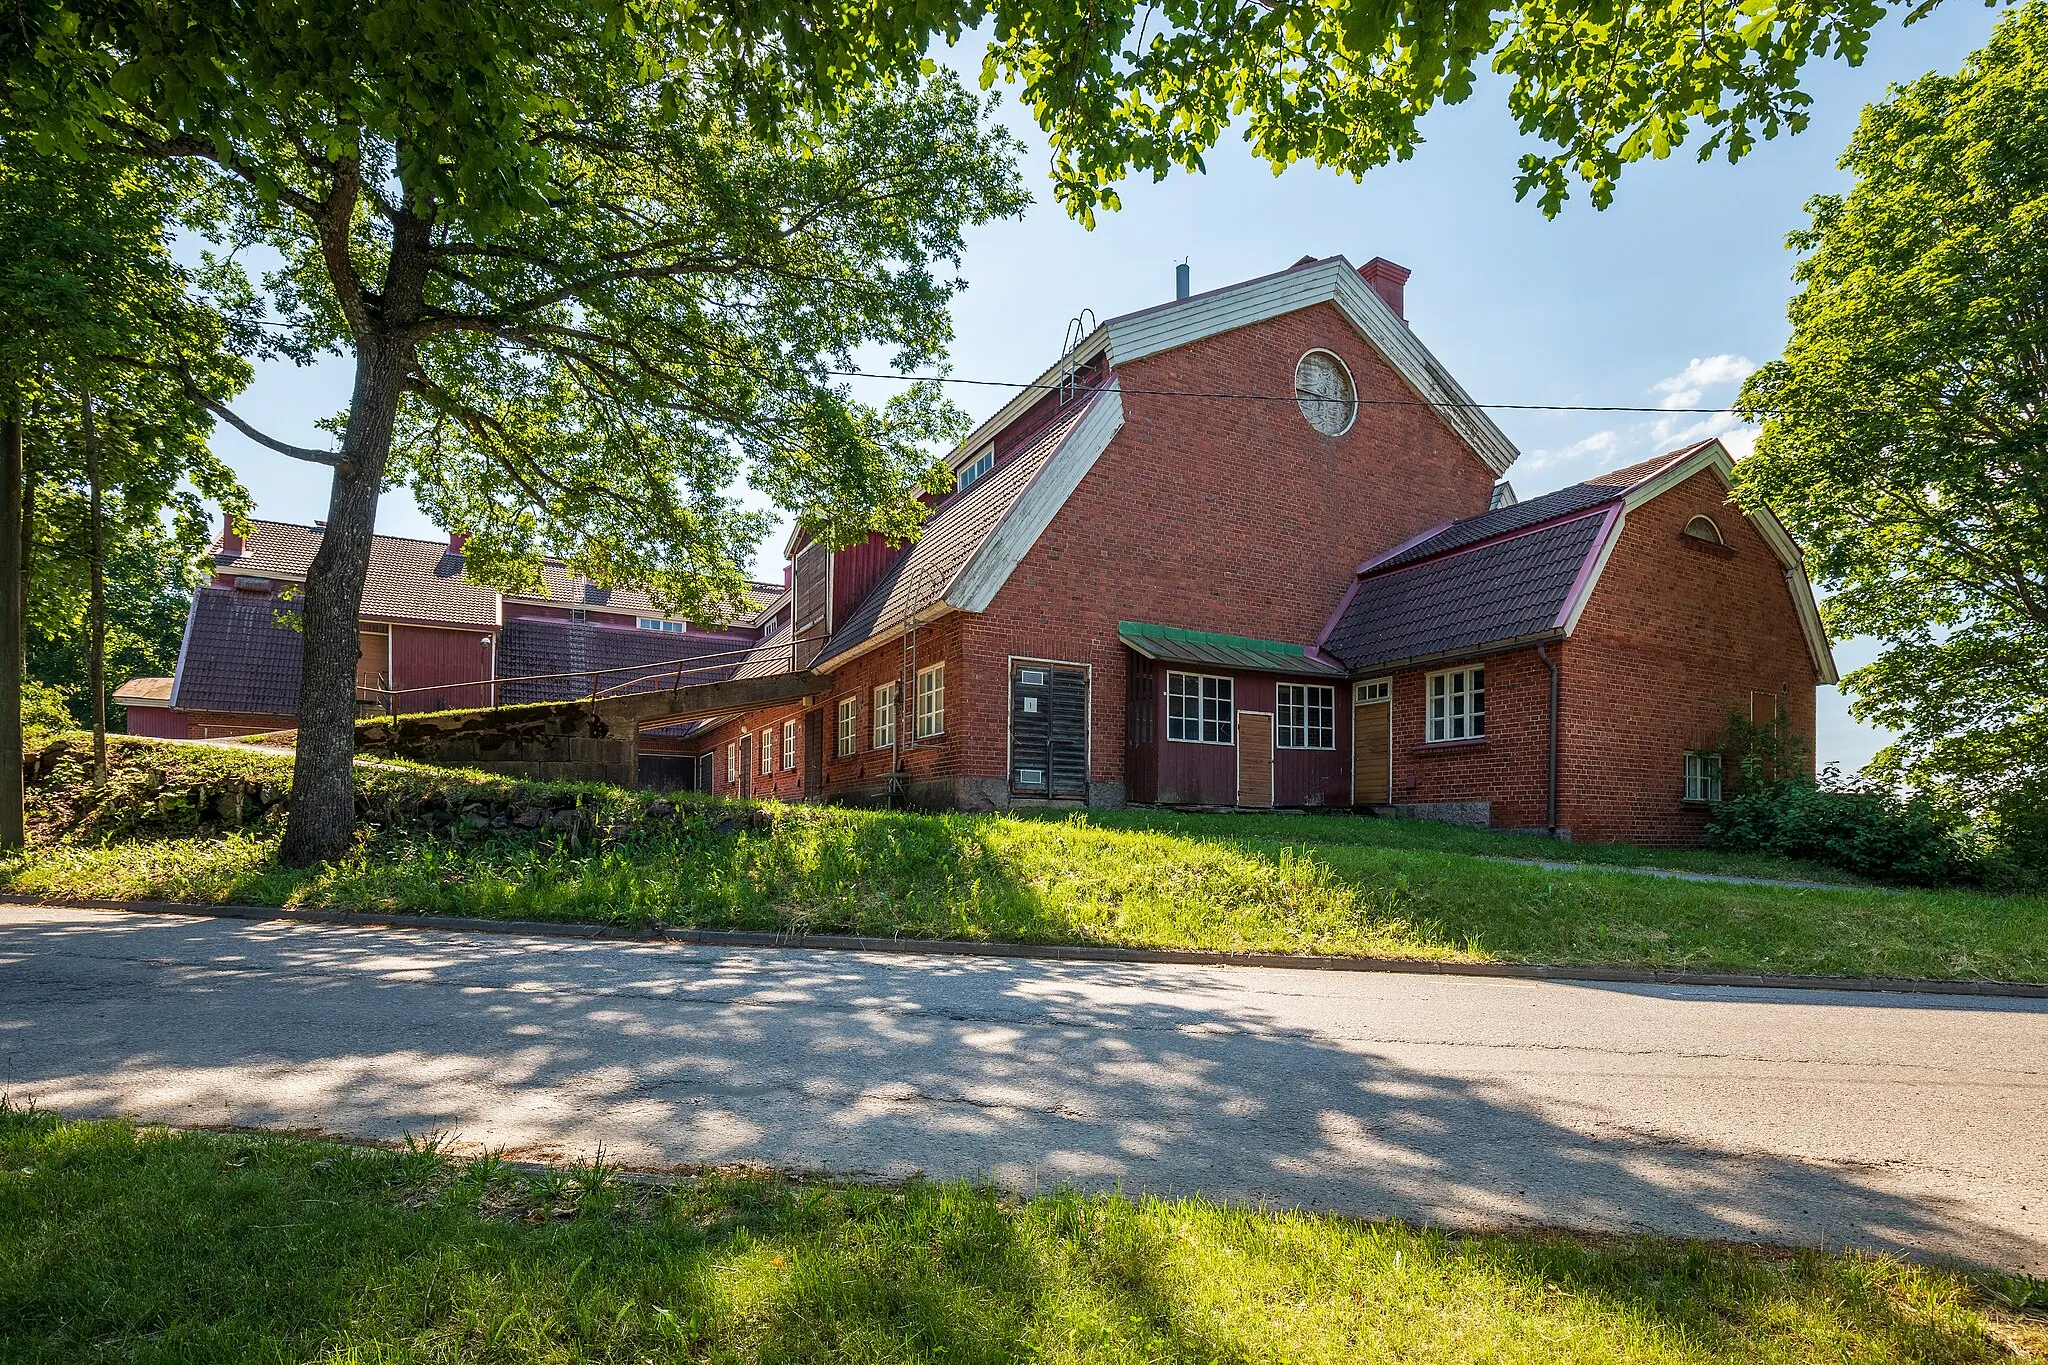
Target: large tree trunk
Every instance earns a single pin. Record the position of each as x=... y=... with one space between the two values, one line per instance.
x=11 y=625
x=96 y=662
x=323 y=809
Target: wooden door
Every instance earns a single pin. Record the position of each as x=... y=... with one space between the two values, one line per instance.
x=1049 y=731
x=814 y=751
x=1255 y=759
x=373 y=664
x=1372 y=747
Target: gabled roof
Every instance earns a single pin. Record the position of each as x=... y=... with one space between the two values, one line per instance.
x=242 y=652
x=423 y=580
x=1209 y=649
x=144 y=692
x=1512 y=590
x=1522 y=574
x=408 y=580
x=976 y=536
x=625 y=658
x=1333 y=280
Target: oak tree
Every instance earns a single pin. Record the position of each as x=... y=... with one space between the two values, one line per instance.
x=1905 y=430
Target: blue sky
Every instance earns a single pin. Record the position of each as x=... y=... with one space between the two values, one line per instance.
x=1669 y=297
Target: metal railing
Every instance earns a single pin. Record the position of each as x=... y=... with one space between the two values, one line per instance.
x=385 y=700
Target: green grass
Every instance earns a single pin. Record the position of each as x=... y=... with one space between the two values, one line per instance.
x=1323 y=884
x=119 y=1244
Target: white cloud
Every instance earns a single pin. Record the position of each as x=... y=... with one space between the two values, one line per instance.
x=1689 y=385
x=1601 y=447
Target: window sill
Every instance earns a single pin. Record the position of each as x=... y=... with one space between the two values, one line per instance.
x=1703 y=802
x=1451 y=745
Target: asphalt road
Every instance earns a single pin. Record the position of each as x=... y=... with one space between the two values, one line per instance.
x=1915 y=1123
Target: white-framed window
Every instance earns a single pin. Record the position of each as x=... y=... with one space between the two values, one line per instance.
x=656 y=623
x=1376 y=689
x=931 y=701
x=732 y=761
x=1200 y=709
x=848 y=733
x=1702 y=776
x=975 y=470
x=1304 y=716
x=884 y=717
x=1457 y=705
x=767 y=750
x=789 y=746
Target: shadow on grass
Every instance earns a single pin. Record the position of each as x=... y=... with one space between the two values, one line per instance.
x=196 y=1247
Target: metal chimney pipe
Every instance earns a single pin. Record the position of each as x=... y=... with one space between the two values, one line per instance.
x=1180 y=281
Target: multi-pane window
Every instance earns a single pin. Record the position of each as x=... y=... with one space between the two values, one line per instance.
x=974 y=472
x=767 y=750
x=1199 y=709
x=1305 y=716
x=931 y=701
x=1702 y=777
x=732 y=761
x=885 y=716
x=789 y=746
x=1457 y=705
x=656 y=623
x=848 y=733
x=1379 y=689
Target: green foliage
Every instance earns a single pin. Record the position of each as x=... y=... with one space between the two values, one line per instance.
x=126 y=1243
x=45 y=710
x=1867 y=830
x=1905 y=439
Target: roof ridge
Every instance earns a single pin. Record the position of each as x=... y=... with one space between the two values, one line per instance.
x=1513 y=533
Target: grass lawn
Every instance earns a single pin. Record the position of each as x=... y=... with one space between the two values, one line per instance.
x=1298 y=884
x=118 y=1244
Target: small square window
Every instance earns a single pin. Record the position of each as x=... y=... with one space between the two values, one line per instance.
x=1457 y=705
x=1305 y=716
x=1200 y=709
x=1702 y=776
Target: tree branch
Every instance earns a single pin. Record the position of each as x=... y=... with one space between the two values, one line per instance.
x=331 y=458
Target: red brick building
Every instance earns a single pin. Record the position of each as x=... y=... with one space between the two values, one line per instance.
x=1251 y=549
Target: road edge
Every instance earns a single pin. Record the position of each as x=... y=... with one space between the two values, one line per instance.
x=1056 y=952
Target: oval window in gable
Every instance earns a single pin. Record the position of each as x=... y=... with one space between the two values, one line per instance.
x=1322 y=388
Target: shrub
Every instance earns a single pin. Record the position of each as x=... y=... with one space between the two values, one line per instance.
x=45 y=710
x=1870 y=832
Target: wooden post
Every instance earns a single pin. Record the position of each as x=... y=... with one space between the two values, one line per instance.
x=96 y=665
x=11 y=560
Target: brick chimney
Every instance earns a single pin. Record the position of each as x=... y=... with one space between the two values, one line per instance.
x=231 y=542
x=1389 y=281
x=456 y=541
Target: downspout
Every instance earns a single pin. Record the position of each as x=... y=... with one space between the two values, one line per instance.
x=1550 y=807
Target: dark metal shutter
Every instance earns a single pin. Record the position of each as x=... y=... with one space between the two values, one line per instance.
x=1048 y=731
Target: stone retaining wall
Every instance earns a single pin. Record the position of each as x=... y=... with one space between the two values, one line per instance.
x=550 y=741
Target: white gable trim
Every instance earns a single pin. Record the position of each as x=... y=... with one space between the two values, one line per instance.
x=977 y=583
x=1137 y=335
x=1713 y=455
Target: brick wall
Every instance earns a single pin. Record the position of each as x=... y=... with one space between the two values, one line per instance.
x=1508 y=769
x=1231 y=516
x=1677 y=635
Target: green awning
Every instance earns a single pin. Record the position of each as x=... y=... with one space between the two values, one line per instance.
x=1171 y=644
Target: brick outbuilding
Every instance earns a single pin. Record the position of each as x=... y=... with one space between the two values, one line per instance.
x=1251 y=548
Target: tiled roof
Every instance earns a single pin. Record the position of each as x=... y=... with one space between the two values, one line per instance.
x=1498 y=522
x=1203 y=647
x=145 y=692
x=237 y=657
x=410 y=580
x=422 y=580
x=956 y=528
x=548 y=645
x=1511 y=589
x=1628 y=476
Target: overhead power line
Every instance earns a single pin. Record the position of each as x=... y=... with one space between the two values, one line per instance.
x=1288 y=397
